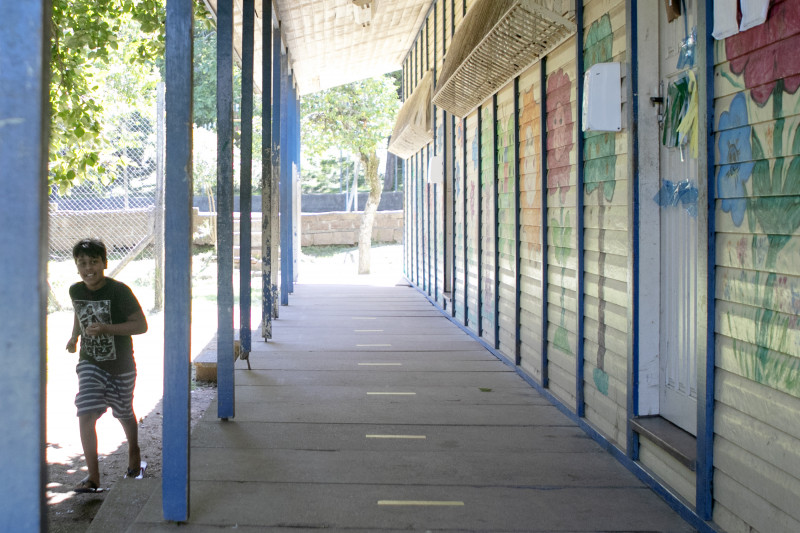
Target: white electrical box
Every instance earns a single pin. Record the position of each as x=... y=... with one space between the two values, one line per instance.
x=436 y=169
x=602 y=98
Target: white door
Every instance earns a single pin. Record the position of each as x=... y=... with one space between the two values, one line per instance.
x=677 y=203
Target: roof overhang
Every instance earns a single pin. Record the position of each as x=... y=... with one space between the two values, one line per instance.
x=334 y=42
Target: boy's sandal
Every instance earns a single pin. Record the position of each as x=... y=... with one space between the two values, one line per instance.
x=87 y=486
x=137 y=473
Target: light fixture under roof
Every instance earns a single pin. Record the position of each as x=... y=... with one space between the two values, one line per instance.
x=363 y=11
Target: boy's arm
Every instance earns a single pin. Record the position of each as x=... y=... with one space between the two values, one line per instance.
x=136 y=324
x=76 y=331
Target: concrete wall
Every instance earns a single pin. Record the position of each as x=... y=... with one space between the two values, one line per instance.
x=317 y=228
x=342 y=228
x=320 y=203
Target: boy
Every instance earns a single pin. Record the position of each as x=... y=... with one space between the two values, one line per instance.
x=106 y=315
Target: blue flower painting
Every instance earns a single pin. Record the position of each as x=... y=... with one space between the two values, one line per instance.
x=736 y=161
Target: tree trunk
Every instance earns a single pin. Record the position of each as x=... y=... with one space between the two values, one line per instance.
x=370 y=162
x=388 y=176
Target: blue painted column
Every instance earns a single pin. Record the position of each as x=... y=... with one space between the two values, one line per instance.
x=177 y=262
x=285 y=170
x=632 y=36
x=449 y=141
x=246 y=176
x=294 y=211
x=225 y=382
x=543 y=181
x=266 y=171
x=479 y=294
x=496 y=224
x=706 y=374
x=580 y=407
x=517 y=230
x=24 y=139
x=277 y=102
x=464 y=220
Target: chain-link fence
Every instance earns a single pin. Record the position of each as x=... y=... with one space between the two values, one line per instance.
x=123 y=208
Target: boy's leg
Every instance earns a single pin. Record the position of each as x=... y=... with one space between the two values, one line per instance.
x=87 y=424
x=131 y=428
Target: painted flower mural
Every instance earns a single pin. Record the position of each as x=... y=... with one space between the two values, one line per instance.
x=767 y=55
x=736 y=158
x=530 y=126
x=560 y=135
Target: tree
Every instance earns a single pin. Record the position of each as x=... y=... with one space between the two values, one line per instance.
x=357 y=118
x=87 y=38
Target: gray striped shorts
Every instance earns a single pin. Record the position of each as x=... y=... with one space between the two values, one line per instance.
x=98 y=390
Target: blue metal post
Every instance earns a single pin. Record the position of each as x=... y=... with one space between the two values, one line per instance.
x=450 y=164
x=435 y=250
x=246 y=176
x=24 y=140
x=225 y=381
x=495 y=223
x=705 y=377
x=451 y=142
x=426 y=226
x=296 y=216
x=428 y=194
x=479 y=134
x=580 y=407
x=543 y=180
x=266 y=172
x=285 y=163
x=632 y=22
x=177 y=262
x=277 y=104
x=517 y=233
x=464 y=221
x=417 y=219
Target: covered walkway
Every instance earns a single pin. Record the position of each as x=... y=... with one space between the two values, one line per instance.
x=371 y=411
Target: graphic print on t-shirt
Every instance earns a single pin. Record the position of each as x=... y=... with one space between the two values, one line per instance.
x=99 y=347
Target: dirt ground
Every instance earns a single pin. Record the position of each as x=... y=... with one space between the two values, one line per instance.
x=69 y=512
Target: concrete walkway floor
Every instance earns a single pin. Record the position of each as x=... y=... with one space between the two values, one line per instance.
x=371 y=411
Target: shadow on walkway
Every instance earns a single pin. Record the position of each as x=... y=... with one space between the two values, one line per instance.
x=371 y=411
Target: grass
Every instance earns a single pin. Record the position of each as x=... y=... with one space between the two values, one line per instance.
x=331 y=250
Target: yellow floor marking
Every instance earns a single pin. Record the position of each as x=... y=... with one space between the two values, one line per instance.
x=368 y=345
x=380 y=364
x=396 y=436
x=421 y=502
x=393 y=393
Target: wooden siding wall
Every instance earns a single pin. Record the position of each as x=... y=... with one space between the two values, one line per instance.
x=561 y=176
x=757 y=142
x=472 y=198
x=756 y=483
x=605 y=241
x=460 y=220
x=530 y=190
x=506 y=220
x=488 y=226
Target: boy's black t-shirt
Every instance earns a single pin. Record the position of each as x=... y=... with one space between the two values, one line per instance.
x=113 y=303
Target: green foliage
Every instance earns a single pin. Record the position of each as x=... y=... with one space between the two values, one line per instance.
x=205 y=78
x=87 y=37
x=356 y=117
x=327 y=174
x=105 y=62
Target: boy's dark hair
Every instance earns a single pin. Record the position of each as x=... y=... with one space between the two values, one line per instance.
x=90 y=248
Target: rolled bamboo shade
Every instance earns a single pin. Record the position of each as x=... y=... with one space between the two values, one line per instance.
x=413 y=128
x=496 y=41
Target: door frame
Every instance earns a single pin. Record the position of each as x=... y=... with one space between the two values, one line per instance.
x=643 y=357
